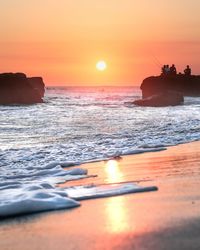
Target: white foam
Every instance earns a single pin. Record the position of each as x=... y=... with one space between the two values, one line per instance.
x=45 y=197
x=93 y=191
x=65 y=164
x=20 y=196
x=140 y=151
x=35 y=151
x=31 y=199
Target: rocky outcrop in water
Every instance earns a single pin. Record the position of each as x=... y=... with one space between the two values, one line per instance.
x=38 y=84
x=16 y=88
x=155 y=85
x=169 y=98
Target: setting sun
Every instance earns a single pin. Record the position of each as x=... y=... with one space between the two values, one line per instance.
x=101 y=65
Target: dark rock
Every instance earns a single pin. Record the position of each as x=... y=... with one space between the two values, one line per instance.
x=188 y=85
x=38 y=84
x=16 y=88
x=169 y=98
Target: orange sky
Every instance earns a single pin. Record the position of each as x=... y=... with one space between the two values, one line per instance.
x=62 y=40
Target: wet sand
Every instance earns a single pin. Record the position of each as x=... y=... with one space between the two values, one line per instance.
x=165 y=219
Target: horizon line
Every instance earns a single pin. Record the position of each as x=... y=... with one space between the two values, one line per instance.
x=92 y=86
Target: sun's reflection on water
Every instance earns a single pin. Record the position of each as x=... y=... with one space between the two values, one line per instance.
x=113 y=171
x=117 y=215
x=116 y=208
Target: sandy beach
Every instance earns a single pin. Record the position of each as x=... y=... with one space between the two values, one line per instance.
x=164 y=219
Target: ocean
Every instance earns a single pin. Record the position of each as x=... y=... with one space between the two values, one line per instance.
x=74 y=126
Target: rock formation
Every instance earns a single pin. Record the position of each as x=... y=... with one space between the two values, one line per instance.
x=169 y=98
x=16 y=88
x=38 y=84
x=187 y=85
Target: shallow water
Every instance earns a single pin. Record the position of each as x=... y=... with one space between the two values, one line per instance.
x=76 y=125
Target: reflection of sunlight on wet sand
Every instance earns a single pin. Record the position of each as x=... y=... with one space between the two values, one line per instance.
x=113 y=171
x=117 y=216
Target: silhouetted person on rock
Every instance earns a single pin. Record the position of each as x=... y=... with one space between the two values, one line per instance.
x=163 y=72
x=173 y=70
x=167 y=70
x=187 y=71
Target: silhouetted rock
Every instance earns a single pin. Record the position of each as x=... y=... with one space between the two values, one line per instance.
x=188 y=85
x=38 y=84
x=16 y=88
x=168 y=98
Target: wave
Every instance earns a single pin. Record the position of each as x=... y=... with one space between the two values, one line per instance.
x=75 y=127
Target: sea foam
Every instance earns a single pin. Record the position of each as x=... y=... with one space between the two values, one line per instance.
x=33 y=198
x=74 y=126
x=45 y=197
x=37 y=191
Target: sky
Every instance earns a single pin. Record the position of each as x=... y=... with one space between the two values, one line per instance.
x=62 y=40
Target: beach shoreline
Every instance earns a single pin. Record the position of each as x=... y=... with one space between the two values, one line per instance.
x=164 y=219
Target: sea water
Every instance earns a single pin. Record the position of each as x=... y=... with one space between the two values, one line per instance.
x=77 y=125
